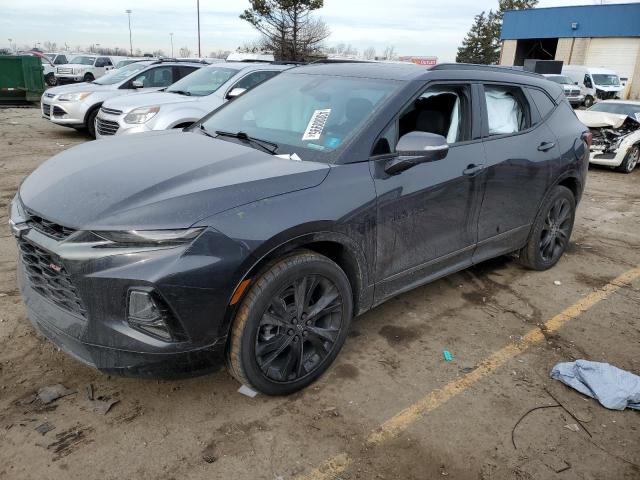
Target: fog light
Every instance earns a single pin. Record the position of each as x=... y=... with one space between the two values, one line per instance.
x=145 y=314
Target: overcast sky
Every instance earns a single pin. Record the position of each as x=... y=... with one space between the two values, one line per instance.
x=414 y=27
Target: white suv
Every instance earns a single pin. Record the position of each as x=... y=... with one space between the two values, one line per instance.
x=84 y=68
x=77 y=105
x=50 y=62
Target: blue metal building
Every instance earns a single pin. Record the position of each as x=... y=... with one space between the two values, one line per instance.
x=594 y=35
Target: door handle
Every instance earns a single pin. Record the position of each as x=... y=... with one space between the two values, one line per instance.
x=544 y=146
x=472 y=169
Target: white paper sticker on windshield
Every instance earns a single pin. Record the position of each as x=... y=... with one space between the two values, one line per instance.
x=316 y=125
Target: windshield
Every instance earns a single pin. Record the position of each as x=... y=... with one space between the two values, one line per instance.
x=606 y=80
x=50 y=56
x=561 y=79
x=83 y=60
x=621 y=108
x=203 y=82
x=120 y=74
x=309 y=115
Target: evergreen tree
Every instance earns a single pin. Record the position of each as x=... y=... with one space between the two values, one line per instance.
x=482 y=43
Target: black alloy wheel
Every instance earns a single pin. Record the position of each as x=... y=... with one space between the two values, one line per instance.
x=556 y=230
x=299 y=328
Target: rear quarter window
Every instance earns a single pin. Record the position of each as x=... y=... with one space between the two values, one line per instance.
x=542 y=101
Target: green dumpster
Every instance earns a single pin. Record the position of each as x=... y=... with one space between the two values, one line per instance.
x=21 y=79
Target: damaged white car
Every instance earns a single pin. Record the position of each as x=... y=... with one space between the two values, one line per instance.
x=615 y=126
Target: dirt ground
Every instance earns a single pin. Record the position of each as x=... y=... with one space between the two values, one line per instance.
x=203 y=428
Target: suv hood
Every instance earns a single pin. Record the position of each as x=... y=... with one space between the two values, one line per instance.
x=158 y=180
x=128 y=103
x=80 y=87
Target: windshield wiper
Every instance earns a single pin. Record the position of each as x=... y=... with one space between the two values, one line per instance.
x=204 y=130
x=180 y=92
x=264 y=144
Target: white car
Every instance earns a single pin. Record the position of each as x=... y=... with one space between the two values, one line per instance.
x=77 y=105
x=85 y=68
x=571 y=90
x=185 y=101
x=615 y=126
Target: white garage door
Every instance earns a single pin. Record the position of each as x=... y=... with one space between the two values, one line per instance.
x=617 y=54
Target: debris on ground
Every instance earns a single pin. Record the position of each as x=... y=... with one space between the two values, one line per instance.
x=244 y=390
x=102 y=405
x=50 y=393
x=574 y=427
x=45 y=427
x=557 y=283
x=447 y=355
x=614 y=388
x=209 y=458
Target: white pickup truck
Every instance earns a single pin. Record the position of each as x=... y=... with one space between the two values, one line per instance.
x=85 y=68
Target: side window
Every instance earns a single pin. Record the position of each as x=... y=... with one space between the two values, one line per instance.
x=60 y=60
x=507 y=109
x=544 y=104
x=444 y=110
x=182 y=71
x=254 y=79
x=587 y=81
x=155 y=77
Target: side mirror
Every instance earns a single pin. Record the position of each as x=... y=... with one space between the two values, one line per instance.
x=415 y=148
x=575 y=83
x=235 y=92
x=137 y=84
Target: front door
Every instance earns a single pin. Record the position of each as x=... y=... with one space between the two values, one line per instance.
x=427 y=215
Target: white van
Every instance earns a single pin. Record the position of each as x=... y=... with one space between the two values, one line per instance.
x=595 y=83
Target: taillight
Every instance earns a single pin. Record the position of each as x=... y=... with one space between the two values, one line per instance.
x=588 y=138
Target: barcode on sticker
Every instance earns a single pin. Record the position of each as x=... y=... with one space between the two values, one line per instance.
x=316 y=124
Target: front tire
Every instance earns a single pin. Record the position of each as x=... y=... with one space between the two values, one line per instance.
x=91 y=122
x=588 y=101
x=551 y=231
x=88 y=77
x=291 y=324
x=630 y=160
x=51 y=80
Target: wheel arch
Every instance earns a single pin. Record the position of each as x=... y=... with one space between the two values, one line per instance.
x=92 y=109
x=338 y=247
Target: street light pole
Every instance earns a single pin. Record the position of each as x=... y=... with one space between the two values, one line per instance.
x=171 y=37
x=199 y=54
x=128 y=12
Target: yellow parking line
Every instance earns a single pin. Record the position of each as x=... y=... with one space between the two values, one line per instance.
x=337 y=464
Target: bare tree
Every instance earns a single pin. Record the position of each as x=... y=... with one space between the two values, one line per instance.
x=287 y=27
x=185 y=52
x=219 y=54
x=50 y=46
x=158 y=53
x=369 y=53
x=390 y=53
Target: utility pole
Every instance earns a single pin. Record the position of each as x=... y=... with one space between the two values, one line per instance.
x=171 y=37
x=128 y=12
x=199 y=54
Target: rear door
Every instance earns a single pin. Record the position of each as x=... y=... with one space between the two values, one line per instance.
x=520 y=151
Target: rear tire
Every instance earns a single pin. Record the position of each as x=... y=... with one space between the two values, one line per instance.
x=551 y=231
x=291 y=325
x=630 y=160
x=91 y=122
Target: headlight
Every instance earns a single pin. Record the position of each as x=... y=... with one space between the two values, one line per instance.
x=141 y=115
x=73 y=97
x=151 y=237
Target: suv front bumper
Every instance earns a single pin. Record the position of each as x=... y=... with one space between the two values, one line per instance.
x=110 y=124
x=68 y=114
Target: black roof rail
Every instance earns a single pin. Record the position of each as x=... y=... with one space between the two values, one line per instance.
x=341 y=60
x=486 y=68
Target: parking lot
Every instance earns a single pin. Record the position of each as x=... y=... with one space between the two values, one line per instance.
x=390 y=407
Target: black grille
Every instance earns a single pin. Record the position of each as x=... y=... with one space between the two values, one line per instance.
x=49 y=278
x=111 y=111
x=46 y=109
x=58 y=112
x=106 y=127
x=50 y=229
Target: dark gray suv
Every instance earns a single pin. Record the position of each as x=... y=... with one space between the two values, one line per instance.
x=254 y=236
